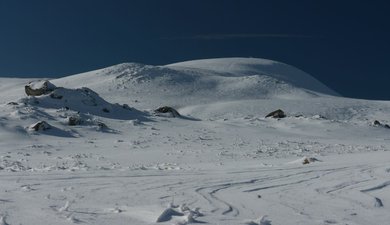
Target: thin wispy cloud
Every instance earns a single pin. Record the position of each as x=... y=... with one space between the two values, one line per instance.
x=236 y=36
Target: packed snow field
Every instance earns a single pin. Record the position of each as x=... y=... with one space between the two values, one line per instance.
x=101 y=148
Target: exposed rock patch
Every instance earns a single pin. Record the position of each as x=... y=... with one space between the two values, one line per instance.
x=166 y=110
x=40 y=126
x=278 y=114
x=39 y=88
x=376 y=123
x=74 y=120
x=308 y=160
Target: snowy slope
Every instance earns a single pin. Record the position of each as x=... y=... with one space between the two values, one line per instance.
x=236 y=67
x=222 y=162
x=196 y=82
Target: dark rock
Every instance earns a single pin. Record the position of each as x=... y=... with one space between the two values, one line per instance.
x=126 y=106
x=167 y=109
x=308 y=160
x=102 y=125
x=39 y=126
x=12 y=103
x=39 y=88
x=105 y=110
x=276 y=114
x=74 y=120
x=376 y=123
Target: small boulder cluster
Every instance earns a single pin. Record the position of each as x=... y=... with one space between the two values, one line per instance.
x=376 y=123
x=77 y=104
x=38 y=89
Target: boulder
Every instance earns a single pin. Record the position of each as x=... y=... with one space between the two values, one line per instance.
x=167 y=110
x=101 y=125
x=40 y=126
x=39 y=88
x=74 y=120
x=276 y=114
x=126 y=106
x=308 y=160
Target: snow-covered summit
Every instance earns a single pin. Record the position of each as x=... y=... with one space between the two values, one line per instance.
x=199 y=82
x=254 y=66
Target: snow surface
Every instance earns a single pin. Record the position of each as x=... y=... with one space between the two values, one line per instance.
x=221 y=162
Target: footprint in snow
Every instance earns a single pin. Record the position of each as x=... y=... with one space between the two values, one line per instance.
x=167 y=215
x=27 y=188
x=378 y=202
x=179 y=215
x=72 y=219
x=261 y=221
x=2 y=221
x=65 y=207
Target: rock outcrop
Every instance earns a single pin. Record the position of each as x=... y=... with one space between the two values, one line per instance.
x=40 y=126
x=39 y=88
x=166 y=110
x=376 y=123
x=74 y=120
x=276 y=114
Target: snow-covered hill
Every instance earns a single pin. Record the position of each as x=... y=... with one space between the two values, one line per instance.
x=93 y=150
x=239 y=67
x=199 y=82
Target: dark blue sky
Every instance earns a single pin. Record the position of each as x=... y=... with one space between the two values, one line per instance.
x=344 y=44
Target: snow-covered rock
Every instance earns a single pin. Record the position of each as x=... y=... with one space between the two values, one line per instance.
x=40 y=126
x=37 y=88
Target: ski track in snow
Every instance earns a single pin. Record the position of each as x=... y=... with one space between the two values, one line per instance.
x=304 y=195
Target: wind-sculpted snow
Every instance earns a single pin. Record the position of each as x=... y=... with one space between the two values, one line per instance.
x=102 y=148
x=325 y=193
